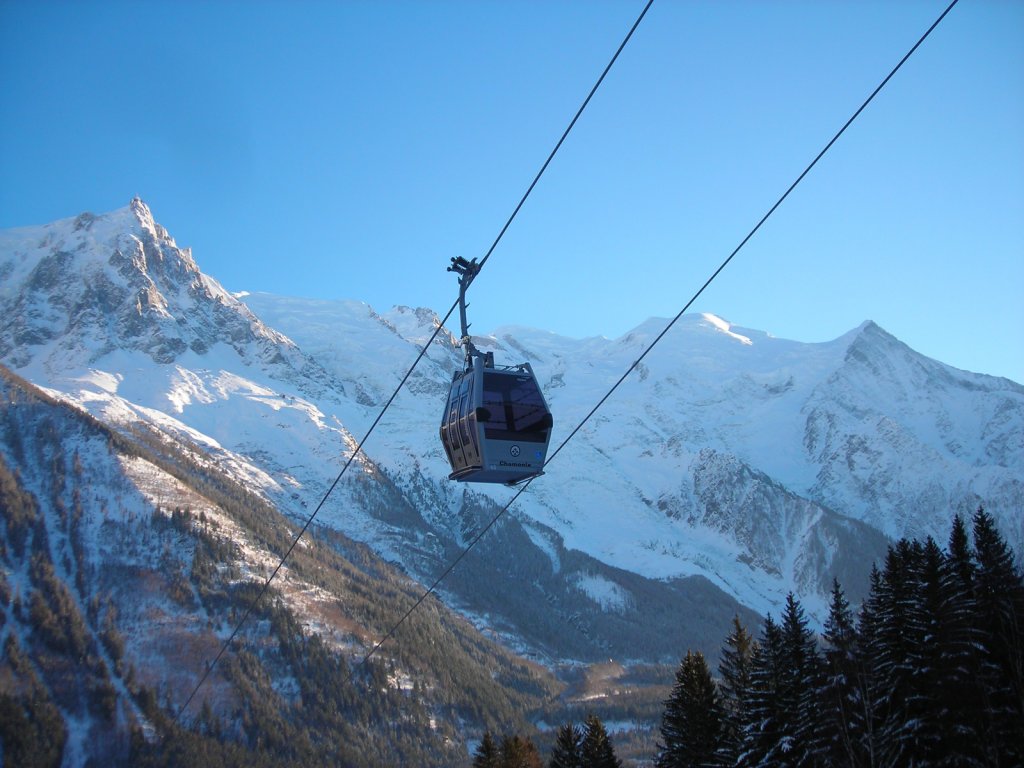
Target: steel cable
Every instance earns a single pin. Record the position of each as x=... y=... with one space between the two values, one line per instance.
x=358 y=449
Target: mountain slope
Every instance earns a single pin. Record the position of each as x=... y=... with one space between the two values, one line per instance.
x=692 y=466
x=733 y=467
x=125 y=566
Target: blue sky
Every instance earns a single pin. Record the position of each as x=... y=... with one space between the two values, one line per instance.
x=350 y=149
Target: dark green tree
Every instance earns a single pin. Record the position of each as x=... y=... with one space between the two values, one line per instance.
x=691 y=725
x=961 y=688
x=32 y=731
x=568 y=749
x=838 y=741
x=890 y=650
x=961 y=563
x=597 y=750
x=999 y=595
x=928 y=675
x=486 y=754
x=764 y=720
x=734 y=671
x=867 y=713
x=802 y=674
x=927 y=719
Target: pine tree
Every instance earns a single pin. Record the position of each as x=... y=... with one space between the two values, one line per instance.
x=932 y=673
x=867 y=712
x=486 y=754
x=838 y=741
x=763 y=723
x=519 y=752
x=927 y=720
x=734 y=669
x=960 y=564
x=568 y=749
x=937 y=690
x=691 y=725
x=597 y=750
x=890 y=646
x=962 y=690
x=801 y=681
x=999 y=594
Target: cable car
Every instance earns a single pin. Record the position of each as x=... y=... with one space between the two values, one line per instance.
x=496 y=425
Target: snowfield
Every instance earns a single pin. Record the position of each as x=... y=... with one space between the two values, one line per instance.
x=765 y=465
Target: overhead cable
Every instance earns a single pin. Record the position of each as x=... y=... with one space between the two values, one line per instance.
x=358 y=449
x=659 y=337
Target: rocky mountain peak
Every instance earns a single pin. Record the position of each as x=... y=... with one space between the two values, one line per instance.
x=95 y=283
x=80 y=288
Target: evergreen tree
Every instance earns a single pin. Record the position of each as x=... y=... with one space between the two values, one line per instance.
x=486 y=754
x=519 y=752
x=999 y=595
x=867 y=712
x=734 y=670
x=960 y=564
x=890 y=647
x=781 y=720
x=692 y=722
x=597 y=750
x=931 y=674
x=838 y=739
x=568 y=749
x=926 y=719
x=940 y=683
x=961 y=691
x=763 y=723
x=801 y=680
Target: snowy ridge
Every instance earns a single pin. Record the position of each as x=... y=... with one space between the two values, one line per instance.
x=762 y=465
x=82 y=288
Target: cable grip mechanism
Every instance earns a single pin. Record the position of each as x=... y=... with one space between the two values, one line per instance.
x=466 y=270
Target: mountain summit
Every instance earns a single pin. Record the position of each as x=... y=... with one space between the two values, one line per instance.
x=80 y=289
x=732 y=468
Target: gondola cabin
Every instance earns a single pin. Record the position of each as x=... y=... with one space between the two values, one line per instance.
x=497 y=426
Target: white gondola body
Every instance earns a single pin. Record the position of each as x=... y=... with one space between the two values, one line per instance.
x=497 y=426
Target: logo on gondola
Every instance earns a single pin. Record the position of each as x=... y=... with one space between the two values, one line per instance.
x=514 y=450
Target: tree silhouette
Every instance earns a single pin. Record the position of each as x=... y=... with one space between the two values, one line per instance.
x=597 y=750
x=691 y=725
x=568 y=749
x=929 y=673
x=734 y=671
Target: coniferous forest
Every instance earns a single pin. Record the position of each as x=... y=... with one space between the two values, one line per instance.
x=929 y=672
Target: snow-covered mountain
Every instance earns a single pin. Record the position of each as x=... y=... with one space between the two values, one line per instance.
x=731 y=468
x=126 y=562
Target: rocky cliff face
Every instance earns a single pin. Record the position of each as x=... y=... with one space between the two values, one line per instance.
x=81 y=289
x=901 y=439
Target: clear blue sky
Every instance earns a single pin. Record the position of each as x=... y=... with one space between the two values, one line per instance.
x=349 y=149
